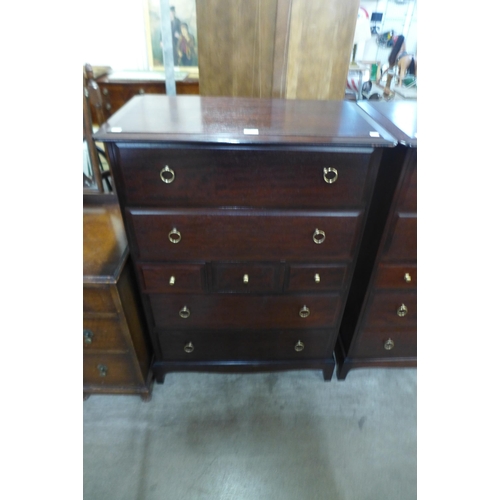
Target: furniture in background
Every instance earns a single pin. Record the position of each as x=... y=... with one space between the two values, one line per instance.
x=116 y=350
x=244 y=218
x=379 y=327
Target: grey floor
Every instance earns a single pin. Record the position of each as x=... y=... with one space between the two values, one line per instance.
x=276 y=436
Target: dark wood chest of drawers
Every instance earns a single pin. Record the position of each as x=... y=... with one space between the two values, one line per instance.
x=380 y=322
x=116 y=349
x=244 y=219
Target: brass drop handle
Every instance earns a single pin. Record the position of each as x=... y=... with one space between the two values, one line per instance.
x=402 y=310
x=317 y=279
x=304 y=312
x=299 y=346
x=319 y=236
x=88 y=335
x=184 y=312
x=330 y=175
x=141 y=91
x=407 y=277
x=174 y=236
x=103 y=370
x=171 y=282
x=189 y=347
x=245 y=279
x=388 y=344
x=167 y=175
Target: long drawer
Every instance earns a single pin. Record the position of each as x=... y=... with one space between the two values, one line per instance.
x=252 y=345
x=103 y=334
x=397 y=309
x=402 y=244
x=111 y=370
x=252 y=235
x=227 y=177
x=245 y=311
x=386 y=343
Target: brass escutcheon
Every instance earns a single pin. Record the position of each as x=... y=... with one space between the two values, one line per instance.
x=103 y=370
x=245 y=278
x=317 y=279
x=330 y=179
x=407 y=277
x=172 y=281
x=170 y=175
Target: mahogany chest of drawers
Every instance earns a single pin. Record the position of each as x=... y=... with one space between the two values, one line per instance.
x=244 y=219
x=380 y=322
x=116 y=349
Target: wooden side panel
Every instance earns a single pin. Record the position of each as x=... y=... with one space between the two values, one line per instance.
x=320 y=46
x=236 y=47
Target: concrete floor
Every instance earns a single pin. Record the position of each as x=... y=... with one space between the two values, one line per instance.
x=276 y=436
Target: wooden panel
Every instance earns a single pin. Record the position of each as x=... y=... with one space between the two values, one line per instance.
x=371 y=344
x=106 y=333
x=98 y=300
x=109 y=370
x=236 y=47
x=393 y=276
x=320 y=47
x=382 y=312
x=264 y=278
x=402 y=245
x=187 y=277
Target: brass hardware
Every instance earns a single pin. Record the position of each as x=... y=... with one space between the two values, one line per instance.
x=402 y=310
x=87 y=336
x=169 y=178
x=319 y=236
x=407 y=277
x=330 y=179
x=108 y=106
x=388 y=344
x=105 y=91
x=174 y=236
x=317 y=278
x=304 y=312
x=299 y=346
x=141 y=91
x=189 y=347
x=245 y=278
x=184 y=312
x=172 y=281
x=103 y=370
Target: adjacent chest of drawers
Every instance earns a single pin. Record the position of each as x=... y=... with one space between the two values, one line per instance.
x=244 y=219
x=116 y=349
x=380 y=324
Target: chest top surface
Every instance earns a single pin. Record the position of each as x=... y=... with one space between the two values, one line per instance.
x=230 y=120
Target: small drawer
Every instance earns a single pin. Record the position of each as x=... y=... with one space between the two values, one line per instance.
x=247 y=278
x=200 y=177
x=109 y=370
x=402 y=242
x=245 y=311
x=400 y=343
x=98 y=300
x=173 y=278
x=392 y=309
x=103 y=334
x=396 y=276
x=244 y=346
x=310 y=277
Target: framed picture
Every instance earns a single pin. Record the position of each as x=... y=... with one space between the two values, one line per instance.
x=184 y=35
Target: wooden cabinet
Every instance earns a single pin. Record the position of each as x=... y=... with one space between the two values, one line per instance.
x=116 y=349
x=379 y=327
x=244 y=218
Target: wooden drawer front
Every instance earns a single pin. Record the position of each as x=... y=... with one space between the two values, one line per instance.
x=103 y=334
x=315 y=278
x=252 y=235
x=109 y=370
x=396 y=276
x=399 y=343
x=247 y=278
x=215 y=178
x=402 y=244
x=173 y=278
x=383 y=310
x=98 y=300
x=242 y=346
x=408 y=198
x=245 y=312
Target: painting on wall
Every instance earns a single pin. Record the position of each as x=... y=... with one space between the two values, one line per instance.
x=184 y=35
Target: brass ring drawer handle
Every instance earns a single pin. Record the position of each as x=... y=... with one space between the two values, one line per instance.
x=88 y=335
x=299 y=346
x=174 y=236
x=402 y=310
x=407 y=277
x=184 y=312
x=167 y=175
x=388 y=344
x=319 y=236
x=103 y=370
x=189 y=347
x=304 y=312
x=330 y=179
